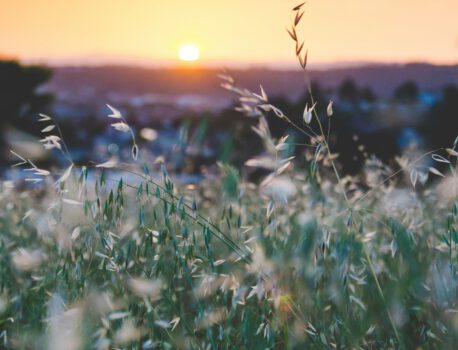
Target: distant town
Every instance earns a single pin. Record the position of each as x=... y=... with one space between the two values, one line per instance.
x=382 y=108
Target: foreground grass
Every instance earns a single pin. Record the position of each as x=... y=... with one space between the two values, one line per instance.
x=226 y=264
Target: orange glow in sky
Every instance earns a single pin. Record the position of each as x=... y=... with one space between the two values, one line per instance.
x=228 y=32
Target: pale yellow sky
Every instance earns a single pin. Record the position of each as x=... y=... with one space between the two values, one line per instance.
x=228 y=31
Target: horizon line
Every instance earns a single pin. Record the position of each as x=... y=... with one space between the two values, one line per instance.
x=222 y=65
x=142 y=62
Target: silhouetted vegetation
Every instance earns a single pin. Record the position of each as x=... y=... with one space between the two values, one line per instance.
x=348 y=91
x=442 y=122
x=19 y=98
x=406 y=93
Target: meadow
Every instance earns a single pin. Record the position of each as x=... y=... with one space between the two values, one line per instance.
x=121 y=255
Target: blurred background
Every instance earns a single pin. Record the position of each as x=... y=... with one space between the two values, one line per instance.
x=391 y=68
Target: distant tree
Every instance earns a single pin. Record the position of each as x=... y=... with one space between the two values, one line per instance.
x=18 y=96
x=367 y=95
x=406 y=92
x=442 y=127
x=348 y=91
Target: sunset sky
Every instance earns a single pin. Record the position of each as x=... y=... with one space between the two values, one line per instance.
x=227 y=32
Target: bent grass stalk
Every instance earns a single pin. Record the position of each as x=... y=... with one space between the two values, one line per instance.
x=303 y=63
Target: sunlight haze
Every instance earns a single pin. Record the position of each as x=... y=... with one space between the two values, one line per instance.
x=228 y=32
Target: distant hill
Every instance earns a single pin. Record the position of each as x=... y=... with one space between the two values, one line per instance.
x=105 y=81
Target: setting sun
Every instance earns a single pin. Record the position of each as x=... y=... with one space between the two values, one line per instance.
x=189 y=53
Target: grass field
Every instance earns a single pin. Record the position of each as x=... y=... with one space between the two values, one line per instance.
x=302 y=259
x=120 y=255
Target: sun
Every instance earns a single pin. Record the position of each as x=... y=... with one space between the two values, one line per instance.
x=189 y=53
